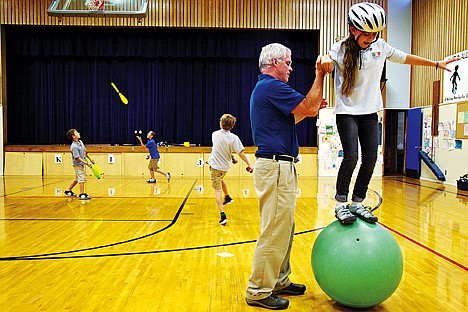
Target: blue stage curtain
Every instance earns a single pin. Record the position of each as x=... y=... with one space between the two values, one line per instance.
x=178 y=82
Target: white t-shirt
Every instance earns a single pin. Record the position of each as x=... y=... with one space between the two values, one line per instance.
x=366 y=97
x=224 y=144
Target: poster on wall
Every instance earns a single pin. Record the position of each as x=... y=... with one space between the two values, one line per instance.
x=427 y=145
x=455 y=87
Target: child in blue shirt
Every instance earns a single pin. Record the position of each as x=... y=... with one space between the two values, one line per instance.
x=154 y=157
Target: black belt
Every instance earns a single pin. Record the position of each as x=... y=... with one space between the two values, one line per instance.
x=279 y=157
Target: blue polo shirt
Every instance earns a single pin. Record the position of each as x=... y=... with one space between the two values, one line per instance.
x=273 y=126
x=153 y=148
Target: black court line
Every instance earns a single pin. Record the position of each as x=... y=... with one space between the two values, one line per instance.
x=32 y=188
x=226 y=245
x=86 y=220
x=29 y=258
x=82 y=200
x=50 y=255
x=53 y=256
x=379 y=202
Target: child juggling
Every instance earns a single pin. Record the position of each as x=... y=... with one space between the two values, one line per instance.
x=78 y=151
x=154 y=157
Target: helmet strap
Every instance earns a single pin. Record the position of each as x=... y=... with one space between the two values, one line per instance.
x=352 y=33
x=376 y=37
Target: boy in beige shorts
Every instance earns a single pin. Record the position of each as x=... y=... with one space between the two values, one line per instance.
x=224 y=144
x=78 y=150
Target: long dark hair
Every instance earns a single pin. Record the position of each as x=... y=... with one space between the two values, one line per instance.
x=350 y=62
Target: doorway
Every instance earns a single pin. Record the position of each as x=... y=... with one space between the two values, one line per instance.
x=394 y=148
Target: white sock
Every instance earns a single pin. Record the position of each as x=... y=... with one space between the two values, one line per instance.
x=356 y=204
x=338 y=204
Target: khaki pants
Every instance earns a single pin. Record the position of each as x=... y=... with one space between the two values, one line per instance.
x=276 y=184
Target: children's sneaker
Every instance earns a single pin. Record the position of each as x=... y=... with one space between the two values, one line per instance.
x=70 y=193
x=151 y=181
x=168 y=176
x=363 y=213
x=228 y=200
x=84 y=196
x=223 y=220
x=343 y=214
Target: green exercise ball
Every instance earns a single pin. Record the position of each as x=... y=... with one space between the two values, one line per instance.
x=358 y=265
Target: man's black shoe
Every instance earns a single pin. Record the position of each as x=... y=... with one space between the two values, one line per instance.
x=271 y=302
x=292 y=289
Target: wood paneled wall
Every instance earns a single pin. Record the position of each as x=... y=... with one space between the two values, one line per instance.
x=329 y=16
x=439 y=30
x=439 y=26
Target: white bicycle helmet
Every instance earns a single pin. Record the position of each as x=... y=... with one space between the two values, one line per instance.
x=368 y=17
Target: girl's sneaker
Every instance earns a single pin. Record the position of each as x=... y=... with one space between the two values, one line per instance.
x=363 y=213
x=343 y=214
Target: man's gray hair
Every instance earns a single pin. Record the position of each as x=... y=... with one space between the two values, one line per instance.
x=270 y=52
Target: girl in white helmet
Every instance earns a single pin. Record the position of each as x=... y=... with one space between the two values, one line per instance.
x=358 y=62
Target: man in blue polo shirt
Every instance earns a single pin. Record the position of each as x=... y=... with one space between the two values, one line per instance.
x=275 y=109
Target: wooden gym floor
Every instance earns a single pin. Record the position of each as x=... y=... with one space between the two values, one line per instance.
x=141 y=247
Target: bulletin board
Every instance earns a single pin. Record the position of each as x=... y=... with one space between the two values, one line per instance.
x=462 y=120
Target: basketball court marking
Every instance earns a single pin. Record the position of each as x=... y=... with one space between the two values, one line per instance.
x=35 y=187
x=51 y=255
x=57 y=255
x=425 y=247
